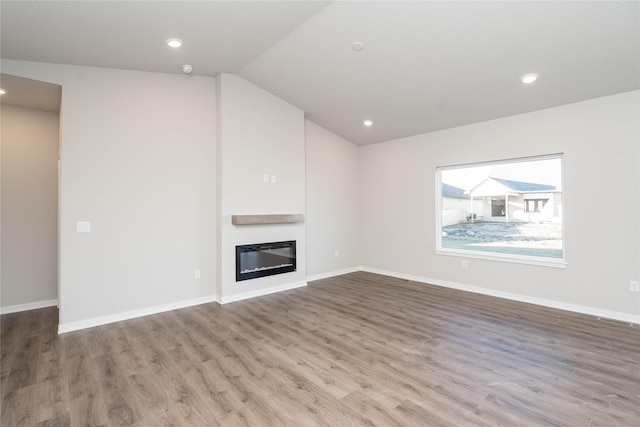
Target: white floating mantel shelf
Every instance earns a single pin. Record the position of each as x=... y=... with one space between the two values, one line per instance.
x=266 y=219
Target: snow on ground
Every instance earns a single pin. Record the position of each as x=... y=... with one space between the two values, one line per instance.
x=543 y=239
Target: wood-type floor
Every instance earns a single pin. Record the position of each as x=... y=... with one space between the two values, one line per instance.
x=358 y=349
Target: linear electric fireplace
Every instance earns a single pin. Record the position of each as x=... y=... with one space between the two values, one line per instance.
x=265 y=259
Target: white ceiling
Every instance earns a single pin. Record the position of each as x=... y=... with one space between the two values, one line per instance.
x=426 y=65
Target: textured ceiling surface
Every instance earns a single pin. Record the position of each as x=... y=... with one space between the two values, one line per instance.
x=425 y=66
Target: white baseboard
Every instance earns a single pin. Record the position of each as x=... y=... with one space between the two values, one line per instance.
x=112 y=318
x=260 y=292
x=28 y=306
x=103 y=320
x=593 y=311
x=118 y=317
x=333 y=273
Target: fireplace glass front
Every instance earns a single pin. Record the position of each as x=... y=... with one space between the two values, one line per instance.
x=265 y=259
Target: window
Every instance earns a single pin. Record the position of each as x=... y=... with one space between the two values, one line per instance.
x=508 y=210
x=534 y=205
x=497 y=207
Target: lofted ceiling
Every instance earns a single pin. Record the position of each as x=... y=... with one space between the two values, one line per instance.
x=425 y=65
x=28 y=93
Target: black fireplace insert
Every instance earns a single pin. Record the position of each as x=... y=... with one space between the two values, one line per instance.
x=265 y=259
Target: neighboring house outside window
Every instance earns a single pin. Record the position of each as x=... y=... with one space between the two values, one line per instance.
x=498 y=191
x=524 y=195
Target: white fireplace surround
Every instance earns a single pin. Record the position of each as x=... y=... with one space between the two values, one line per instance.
x=252 y=209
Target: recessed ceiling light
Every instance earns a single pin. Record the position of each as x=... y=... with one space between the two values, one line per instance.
x=529 y=78
x=174 y=43
x=357 y=46
x=2 y=91
x=368 y=123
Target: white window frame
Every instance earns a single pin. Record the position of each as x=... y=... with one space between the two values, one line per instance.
x=498 y=256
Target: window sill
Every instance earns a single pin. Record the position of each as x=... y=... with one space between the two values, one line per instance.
x=511 y=258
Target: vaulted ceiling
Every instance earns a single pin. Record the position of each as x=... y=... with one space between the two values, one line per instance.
x=424 y=65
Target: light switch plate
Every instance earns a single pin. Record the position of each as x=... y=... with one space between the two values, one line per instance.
x=83 y=226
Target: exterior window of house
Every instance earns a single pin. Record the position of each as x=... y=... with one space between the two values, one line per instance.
x=507 y=210
x=535 y=205
x=497 y=207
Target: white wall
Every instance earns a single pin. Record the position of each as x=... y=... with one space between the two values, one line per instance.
x=333 y=203
x=141 y=162
x=258 y=134
x=138 y=156
x=30 y=141
x=600 y=141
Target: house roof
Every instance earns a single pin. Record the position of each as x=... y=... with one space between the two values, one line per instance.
x=523 y=187
x=492 y=186
x=451 y=191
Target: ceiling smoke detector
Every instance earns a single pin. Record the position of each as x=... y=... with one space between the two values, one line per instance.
x=187 y=69
x=357 y=46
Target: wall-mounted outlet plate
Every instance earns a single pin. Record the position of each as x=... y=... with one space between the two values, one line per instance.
x=196 y=274
x=634 y=286
x=465 y=263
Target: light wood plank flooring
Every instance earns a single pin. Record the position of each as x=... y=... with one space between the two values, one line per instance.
x=358 y=349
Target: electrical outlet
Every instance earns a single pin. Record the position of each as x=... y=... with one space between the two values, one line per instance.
x=337 y=254
x=634 y=286
x=196 y=274
x=465 y=263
